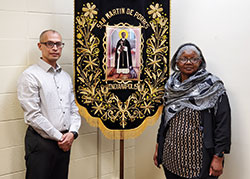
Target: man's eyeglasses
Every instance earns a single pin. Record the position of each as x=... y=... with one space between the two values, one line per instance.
x=50 y=44
x=192 y=60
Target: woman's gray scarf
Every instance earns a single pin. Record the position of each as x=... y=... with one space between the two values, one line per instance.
x=200 y=91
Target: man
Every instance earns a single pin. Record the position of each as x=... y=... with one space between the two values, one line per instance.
x=46 y=95
x=123 y=58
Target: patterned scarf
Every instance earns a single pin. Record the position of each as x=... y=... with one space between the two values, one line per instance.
x=200 y=91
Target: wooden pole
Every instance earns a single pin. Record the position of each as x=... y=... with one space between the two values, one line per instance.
x=122 y=156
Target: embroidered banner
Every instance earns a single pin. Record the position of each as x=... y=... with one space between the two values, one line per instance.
x=121 y=63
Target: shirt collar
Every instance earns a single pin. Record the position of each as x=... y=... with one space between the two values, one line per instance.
x=47 y=67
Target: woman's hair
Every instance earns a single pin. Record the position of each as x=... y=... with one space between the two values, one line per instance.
x=187 y=47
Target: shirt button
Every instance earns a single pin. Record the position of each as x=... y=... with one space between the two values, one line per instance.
x=60 y=99
x=57 y=87
x=63 y=112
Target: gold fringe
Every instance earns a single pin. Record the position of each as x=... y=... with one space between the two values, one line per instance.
x=118 y=134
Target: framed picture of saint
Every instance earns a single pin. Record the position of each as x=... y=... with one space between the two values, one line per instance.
x=123 y=53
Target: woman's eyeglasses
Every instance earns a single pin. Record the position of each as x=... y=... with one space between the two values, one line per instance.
x=185 y=60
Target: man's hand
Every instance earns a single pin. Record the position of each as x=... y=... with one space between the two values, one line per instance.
x=66 y=142
x=216 y=167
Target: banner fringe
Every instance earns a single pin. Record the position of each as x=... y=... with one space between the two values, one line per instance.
x=119 y=134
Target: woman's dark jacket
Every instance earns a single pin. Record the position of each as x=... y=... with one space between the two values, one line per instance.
x=215 y=125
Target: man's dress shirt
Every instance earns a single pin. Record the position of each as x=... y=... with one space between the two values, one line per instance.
x=47 y=98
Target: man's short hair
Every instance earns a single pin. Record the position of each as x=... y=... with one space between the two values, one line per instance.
x=45 y=31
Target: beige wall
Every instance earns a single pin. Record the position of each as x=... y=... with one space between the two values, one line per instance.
x=221 y=29
x=22 y=21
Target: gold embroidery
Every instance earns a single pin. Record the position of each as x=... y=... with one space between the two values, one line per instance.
x=100 y=102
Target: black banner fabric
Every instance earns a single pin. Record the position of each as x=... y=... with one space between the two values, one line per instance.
x=121 y=63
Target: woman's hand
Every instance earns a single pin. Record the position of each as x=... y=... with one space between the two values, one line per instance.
x=155 y=156
x=216 y=167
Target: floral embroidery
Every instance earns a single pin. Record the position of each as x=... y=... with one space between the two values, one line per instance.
x=89 y=10
x=155 y=10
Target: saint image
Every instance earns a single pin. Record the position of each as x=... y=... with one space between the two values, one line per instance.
x=123 y=53
x=123 y=58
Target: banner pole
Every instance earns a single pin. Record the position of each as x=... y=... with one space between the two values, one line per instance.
x=122 y=157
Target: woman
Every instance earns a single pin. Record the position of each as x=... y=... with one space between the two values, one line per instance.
x=195 y=129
